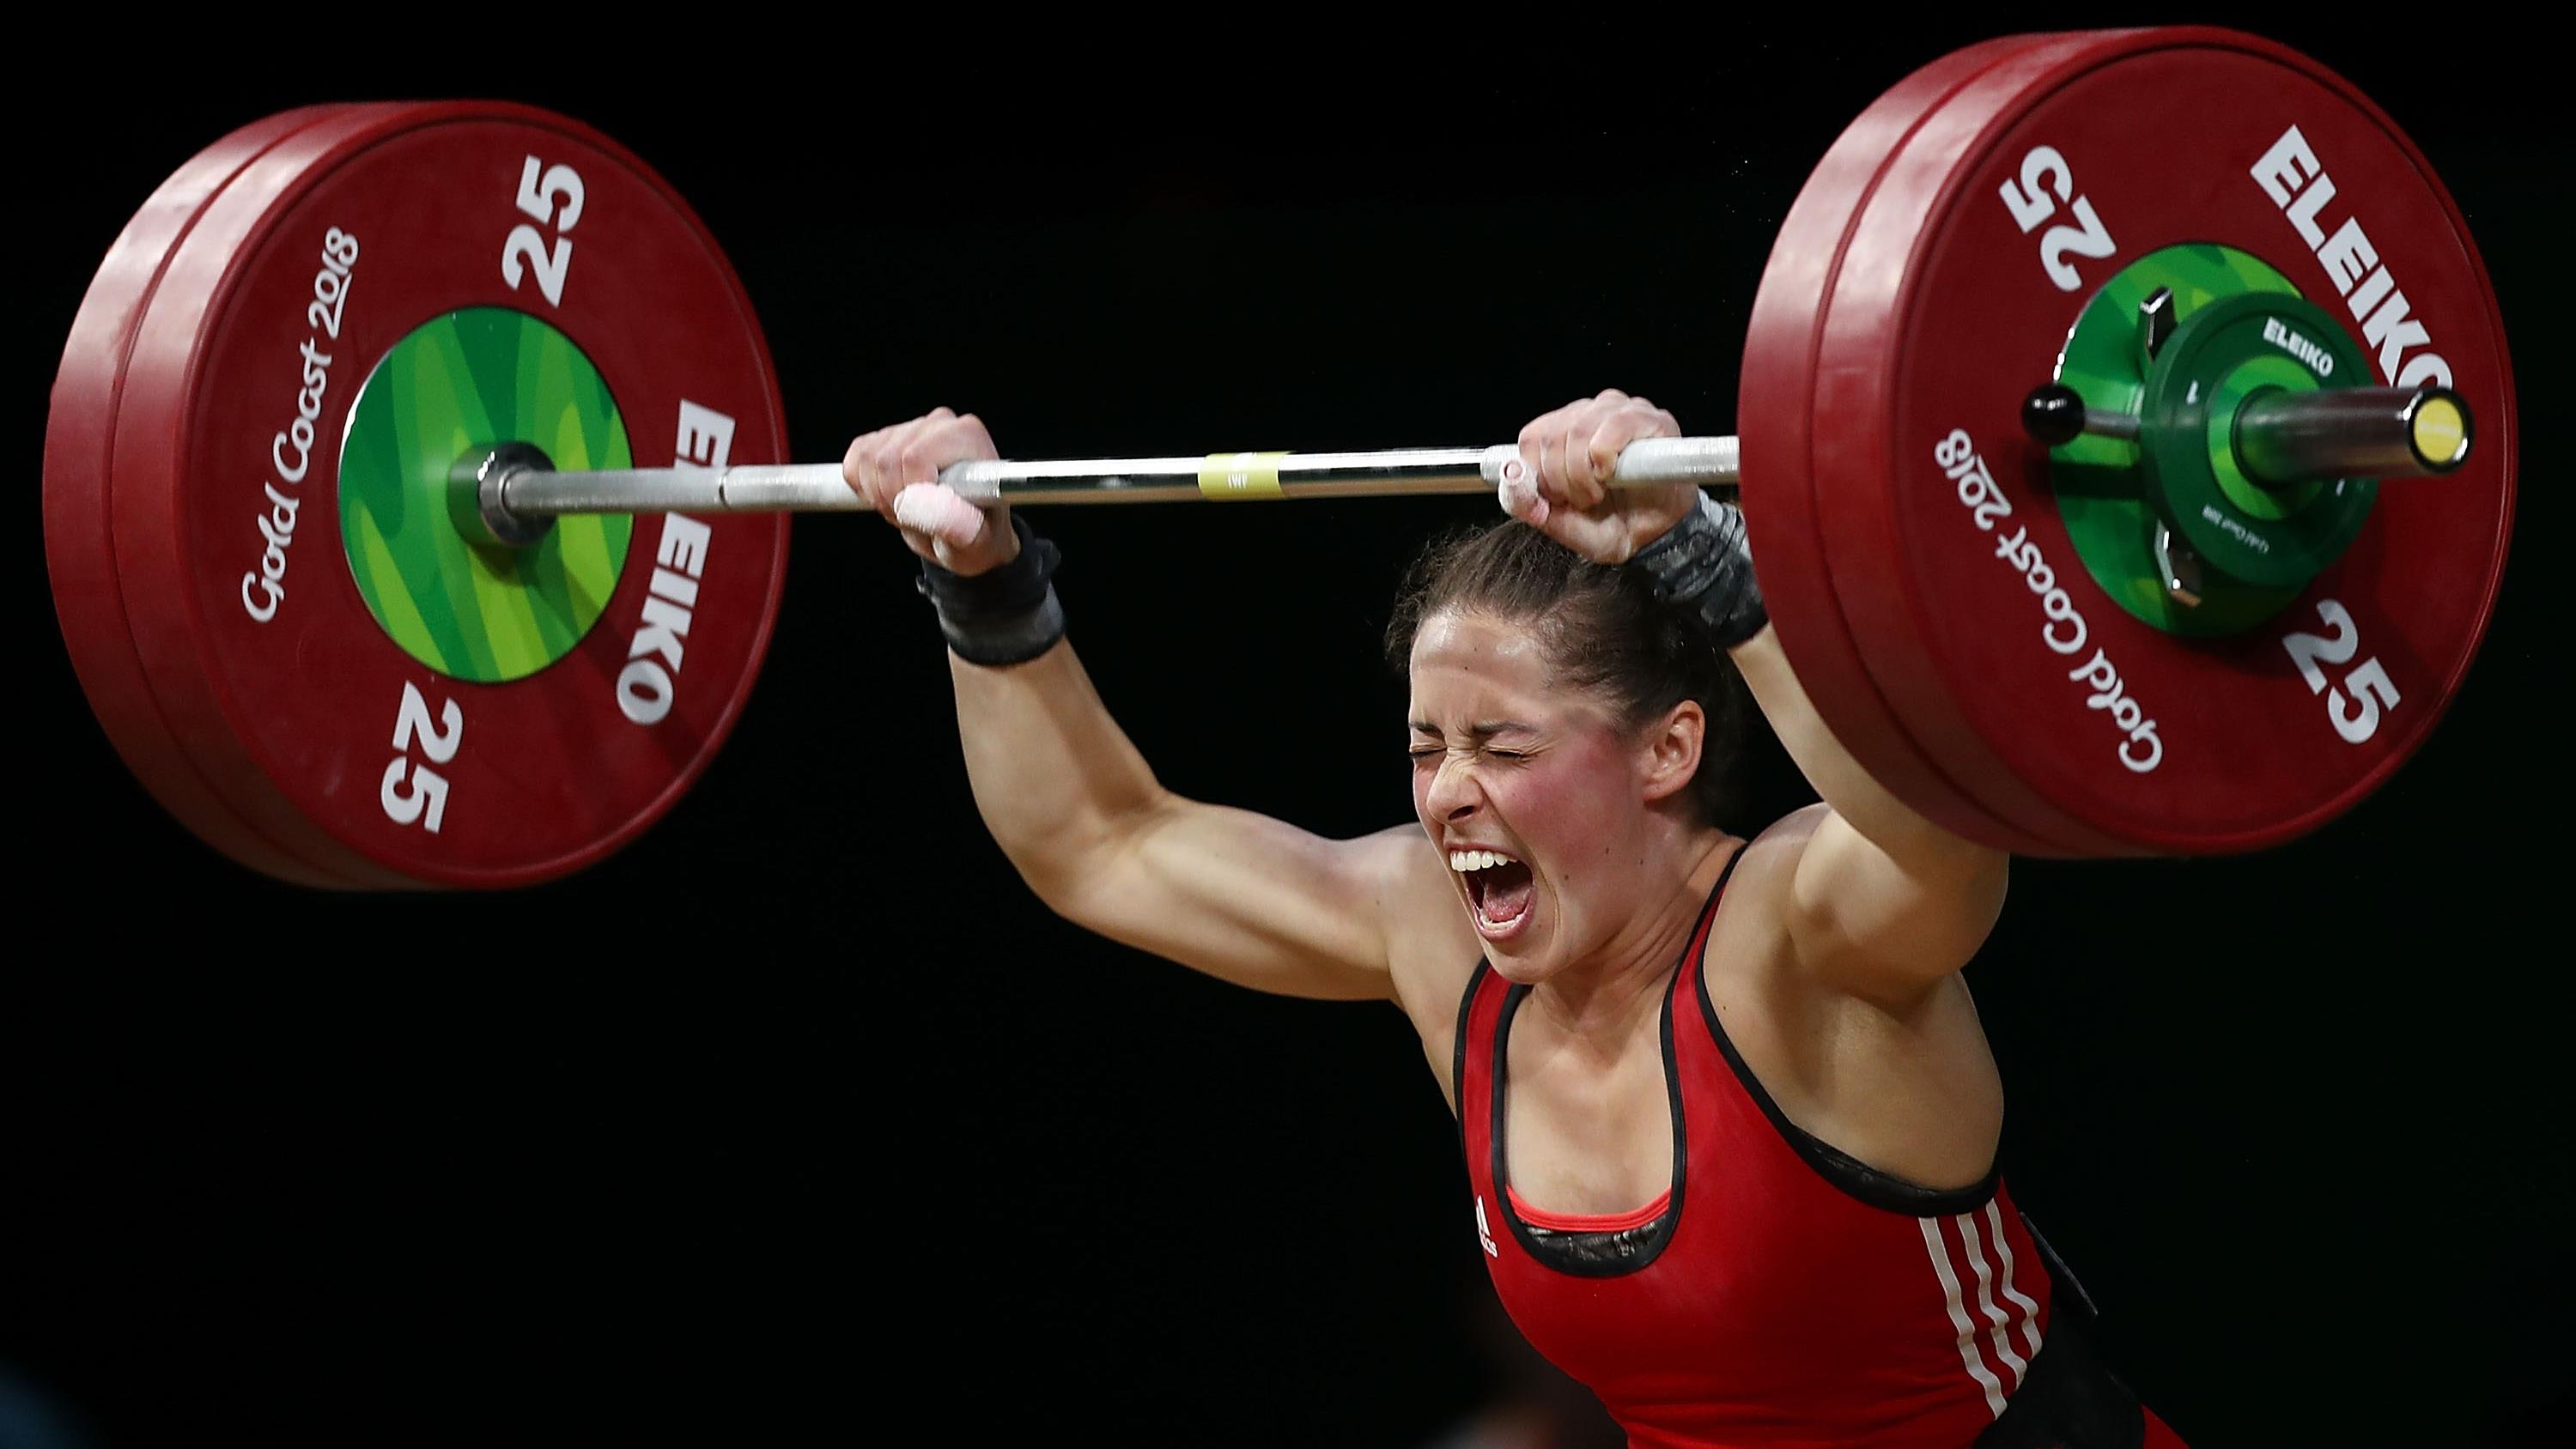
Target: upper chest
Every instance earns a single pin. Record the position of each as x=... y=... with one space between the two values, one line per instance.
x=1587 y=1123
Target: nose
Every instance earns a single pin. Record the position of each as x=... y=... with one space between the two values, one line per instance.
x=1454 y=792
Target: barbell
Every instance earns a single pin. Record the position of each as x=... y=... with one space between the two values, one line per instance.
x=2126 y=435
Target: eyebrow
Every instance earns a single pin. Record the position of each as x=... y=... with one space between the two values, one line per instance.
x=1481 y=729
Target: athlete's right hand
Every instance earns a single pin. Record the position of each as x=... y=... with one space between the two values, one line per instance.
x=897 y=470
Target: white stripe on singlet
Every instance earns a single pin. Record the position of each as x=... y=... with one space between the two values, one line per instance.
x=2029 y=1310
x=1972 y=1360
x=2000 y=1333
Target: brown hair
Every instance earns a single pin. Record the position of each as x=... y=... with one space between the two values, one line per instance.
x=1602 y=630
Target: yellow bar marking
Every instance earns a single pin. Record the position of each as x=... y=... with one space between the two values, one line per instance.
x=1240 y=475
x=2441 y=434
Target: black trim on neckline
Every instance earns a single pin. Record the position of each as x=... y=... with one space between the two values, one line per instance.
x=1565 y=1252
x=1458 y=1048
x=1853 y=1177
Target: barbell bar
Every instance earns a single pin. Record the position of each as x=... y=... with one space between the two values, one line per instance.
x=418 y=549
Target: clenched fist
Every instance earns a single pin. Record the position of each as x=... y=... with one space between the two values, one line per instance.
x=1564 y=491
x=897 y=470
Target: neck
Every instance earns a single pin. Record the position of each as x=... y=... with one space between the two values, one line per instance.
x=1602 y=997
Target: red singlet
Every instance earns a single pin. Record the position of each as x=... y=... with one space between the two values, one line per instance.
x=1783 y=1294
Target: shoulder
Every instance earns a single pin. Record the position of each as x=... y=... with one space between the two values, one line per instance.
x=1765 y=870
x=1431 y=950
x=1865 y=920
x=1751 y=940
x=1791 y=831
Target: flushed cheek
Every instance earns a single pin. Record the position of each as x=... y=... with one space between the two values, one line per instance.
x=1569 y=823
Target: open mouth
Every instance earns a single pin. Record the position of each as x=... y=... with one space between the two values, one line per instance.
x=1500 y=888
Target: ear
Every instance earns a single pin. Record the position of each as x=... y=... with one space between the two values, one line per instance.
x=1668 y=751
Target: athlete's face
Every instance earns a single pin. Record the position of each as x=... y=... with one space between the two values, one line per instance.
x=1509 y=762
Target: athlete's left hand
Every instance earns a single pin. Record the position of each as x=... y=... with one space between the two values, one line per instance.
x=1568 y=456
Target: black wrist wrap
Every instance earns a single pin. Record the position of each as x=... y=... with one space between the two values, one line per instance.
x=1702 y=564
x=1002 y=616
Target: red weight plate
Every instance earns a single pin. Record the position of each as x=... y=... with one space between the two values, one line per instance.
x=1773 y=423
x=80 y=554
x=164 y=750
x=312 y=721
x=1946 y=313
x=1849 y=534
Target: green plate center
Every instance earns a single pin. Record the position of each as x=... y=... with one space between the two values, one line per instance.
x=2100 y=491
x=457 y=384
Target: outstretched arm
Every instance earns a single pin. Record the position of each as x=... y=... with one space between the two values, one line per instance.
x=1238 y=895
x=1081 y=816
x=1884 y=903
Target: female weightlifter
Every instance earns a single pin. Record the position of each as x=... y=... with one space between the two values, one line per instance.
x=1729 y=1116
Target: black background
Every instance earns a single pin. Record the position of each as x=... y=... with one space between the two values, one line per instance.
x=800 y=1118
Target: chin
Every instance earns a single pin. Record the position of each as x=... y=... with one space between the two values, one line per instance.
x=1519 y=965
x=1522 y=954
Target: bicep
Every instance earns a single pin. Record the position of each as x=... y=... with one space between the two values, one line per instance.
x=1247 y=898
x=1883 y=927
